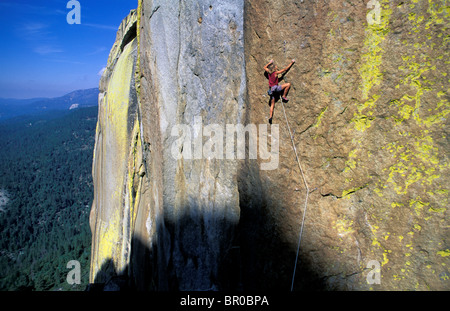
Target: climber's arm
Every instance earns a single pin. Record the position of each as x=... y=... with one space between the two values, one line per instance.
x=266 y=67
x=287 y=68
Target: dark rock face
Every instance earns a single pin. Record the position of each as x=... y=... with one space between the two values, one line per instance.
x=368 y=117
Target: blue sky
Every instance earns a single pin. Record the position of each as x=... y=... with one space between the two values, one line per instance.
x=41 y=55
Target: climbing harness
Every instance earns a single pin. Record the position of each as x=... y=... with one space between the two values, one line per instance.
x=306 y=187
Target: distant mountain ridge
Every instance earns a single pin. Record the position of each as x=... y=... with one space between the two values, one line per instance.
x=10 y=108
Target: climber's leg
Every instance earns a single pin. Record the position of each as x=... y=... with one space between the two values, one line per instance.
x=272 y=106
x=285 y=87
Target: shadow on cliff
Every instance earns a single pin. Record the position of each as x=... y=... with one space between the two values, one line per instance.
x=251 y=255
x=139 y=275
x=256 y=259
x=171 y=262
x=267 y=258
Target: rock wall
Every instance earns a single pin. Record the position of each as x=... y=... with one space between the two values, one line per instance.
x=368 y=116
x=368 y=110
x=192 y=65
x=180 y=213
x=116 y=151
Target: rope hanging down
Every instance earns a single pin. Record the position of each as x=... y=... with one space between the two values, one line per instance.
x=304 y=180
x=306 y=199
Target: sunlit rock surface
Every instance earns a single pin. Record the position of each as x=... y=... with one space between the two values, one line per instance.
x=368 y=113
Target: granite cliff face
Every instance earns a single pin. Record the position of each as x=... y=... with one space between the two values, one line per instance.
x=368 y=116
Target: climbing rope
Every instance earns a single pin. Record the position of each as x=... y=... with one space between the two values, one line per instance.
x=306 y=199
x=304 y=180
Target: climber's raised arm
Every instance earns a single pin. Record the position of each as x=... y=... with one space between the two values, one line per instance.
x=266 y=67
x=287 y=68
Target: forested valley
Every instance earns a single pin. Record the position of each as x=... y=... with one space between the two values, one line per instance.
x=46 y=191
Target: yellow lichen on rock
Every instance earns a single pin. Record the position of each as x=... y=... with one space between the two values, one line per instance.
x=368 y=113
x=109 y=219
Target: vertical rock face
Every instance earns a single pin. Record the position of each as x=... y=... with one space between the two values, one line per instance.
x=180 y=214
x=115 y=154
x=368 y=111
x=368 y=116
x=192 y=65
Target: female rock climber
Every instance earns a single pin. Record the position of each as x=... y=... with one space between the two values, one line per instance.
x=274 y=87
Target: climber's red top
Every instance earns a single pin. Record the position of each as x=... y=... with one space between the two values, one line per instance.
x=273 y=79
